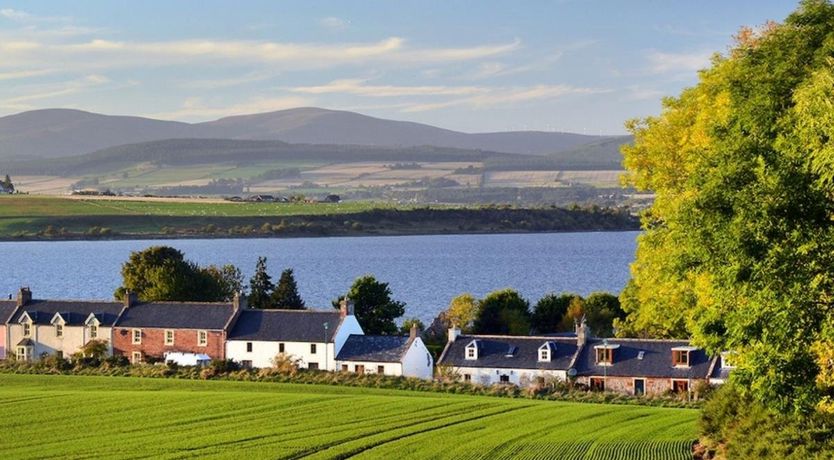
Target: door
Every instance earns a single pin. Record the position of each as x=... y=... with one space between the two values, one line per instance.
x=639 y=387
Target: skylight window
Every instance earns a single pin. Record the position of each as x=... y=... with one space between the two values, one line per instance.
x=641 y=354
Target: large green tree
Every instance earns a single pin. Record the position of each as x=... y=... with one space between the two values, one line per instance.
x=503 y=312
x=738 y=247
x=549 y=312
x=260 y=286
x=374 y=308
x=286 y=294
x=163 y=273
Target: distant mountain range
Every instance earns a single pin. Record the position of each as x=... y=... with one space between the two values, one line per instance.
x=56 y=133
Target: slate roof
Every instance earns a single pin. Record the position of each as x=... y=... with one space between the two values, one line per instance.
x=74 y=312
x=6 y=310
x=374 y=348
x=492 y=352
x=656 y=362
x=286 y=325
x=719 y=372
x=178 y=315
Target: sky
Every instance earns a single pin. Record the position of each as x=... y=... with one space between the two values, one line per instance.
x=477 y=66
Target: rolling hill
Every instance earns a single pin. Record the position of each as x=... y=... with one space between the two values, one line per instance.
x=55 y=133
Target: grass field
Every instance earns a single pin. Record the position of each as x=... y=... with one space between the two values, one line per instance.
x=106 y=417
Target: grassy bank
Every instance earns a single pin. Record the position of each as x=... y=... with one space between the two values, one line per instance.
x=78 y=416
x=37 y=217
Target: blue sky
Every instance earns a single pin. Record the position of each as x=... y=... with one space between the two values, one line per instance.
x=578 y=66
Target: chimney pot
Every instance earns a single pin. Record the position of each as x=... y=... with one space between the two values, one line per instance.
x=413 y=332
x=346 y=307
x=131 y=299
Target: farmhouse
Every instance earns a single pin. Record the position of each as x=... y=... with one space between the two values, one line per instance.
x=491 y=359
x=313 y=338
x=153 y=329
x=386 y=354
x=638 y=366
x=58 y=327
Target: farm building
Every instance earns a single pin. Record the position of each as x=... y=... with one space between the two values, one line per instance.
x=314 y=338
x=150 y=329
x=386 y=354
x=62 y=327
x=491 y=359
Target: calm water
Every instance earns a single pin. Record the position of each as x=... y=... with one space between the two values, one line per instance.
x=423 y=271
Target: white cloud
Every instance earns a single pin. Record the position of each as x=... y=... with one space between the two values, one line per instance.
x=15 y=15
x=334 y=23
x=358 y=87
x=55 y=90
x=15 y=75
x=505 y=96
x=660 y=62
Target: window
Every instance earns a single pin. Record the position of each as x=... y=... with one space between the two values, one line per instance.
x=280 y=348
x=680 y=357
x=59 y=354
x=136 y=357
x=248 y=347
x=27 y=329
x=597 y=384
x=93 y=331
x=247 y=364
x=467 y=377
x=544 y=354
x=313 y=366
x=680 y=386
x=639 y=387
x=472 y=351
x=605 y=355
x=641 y=354
x=59 y=330
x=202 y=338
x=169 y=337
x=344 y=367
x=504 y=378
x=24 y=353
x=137 y=336
x=359 y=369
x=380 y=369
x=428 y=360
x=312 y=348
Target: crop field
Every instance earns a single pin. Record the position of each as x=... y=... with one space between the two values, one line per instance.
x=78 y=417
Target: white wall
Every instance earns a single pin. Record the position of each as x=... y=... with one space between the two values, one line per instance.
x=348 y=326
x=74 y=337
x=395 y=369
x=520 y=377
x=417 y=361
x=263 y=352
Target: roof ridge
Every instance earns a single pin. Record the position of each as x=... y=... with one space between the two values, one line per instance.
x=289 y=310
x=71 y=300
x=527 y=337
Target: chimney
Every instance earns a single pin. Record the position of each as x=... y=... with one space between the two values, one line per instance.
x=412 y=334
x=130 y=299
x=583 y=332
x=24 y=296
x=454 y=333
x=239 y=301
x=345 y=307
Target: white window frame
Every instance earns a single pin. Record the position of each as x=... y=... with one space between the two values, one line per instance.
x=93 y=331
x=59 y=330
x=136 y=357
x=202 y=338
x=172 y=336
x=136 y=336
x=27 y=329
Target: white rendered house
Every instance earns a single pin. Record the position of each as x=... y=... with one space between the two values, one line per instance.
x=387 y=354
x=311 y=337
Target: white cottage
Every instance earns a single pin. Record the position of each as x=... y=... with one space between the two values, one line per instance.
x=387 y=354
x=312 y=337
x=517 y=360
x=58 y=327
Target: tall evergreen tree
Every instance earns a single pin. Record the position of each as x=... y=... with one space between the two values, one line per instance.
x=260 y=286
x=286 y=293
x=374 y=308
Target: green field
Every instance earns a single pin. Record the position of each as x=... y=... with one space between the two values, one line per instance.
x=108 y=417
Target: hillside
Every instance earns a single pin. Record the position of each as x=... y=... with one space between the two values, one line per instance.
x=54 y=133
x=160 y=418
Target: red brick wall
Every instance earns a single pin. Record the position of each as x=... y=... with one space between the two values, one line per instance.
x=153 y=342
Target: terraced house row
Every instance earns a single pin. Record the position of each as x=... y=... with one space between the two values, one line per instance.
x=194 y=333
x=198 y=332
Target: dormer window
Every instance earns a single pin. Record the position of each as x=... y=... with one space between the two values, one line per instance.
x=93 y=331
x=546 y=351
x=59 y=330
x=92 y=324
x=605 y=353
x=472 y=350
x=680 y=356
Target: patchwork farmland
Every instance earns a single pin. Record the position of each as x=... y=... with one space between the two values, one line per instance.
x=76 y=416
